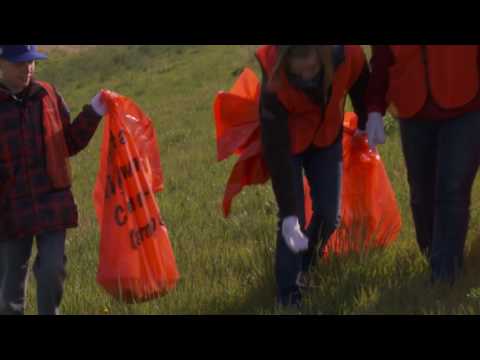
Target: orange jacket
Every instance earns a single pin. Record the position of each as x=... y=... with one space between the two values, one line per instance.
x=308 y=124
x=449 y=73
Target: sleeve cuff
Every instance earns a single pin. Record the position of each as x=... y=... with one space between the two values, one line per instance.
x=377 y=108
x=90 y=113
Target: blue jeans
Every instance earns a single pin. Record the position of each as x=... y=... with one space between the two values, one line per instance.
x=323 y=169
x=442 y=159
x=49 y=269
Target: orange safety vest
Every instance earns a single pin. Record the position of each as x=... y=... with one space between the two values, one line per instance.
x=448 y=73
x=307 y=123
x=58 y=165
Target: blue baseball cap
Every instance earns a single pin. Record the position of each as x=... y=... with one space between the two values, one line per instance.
x=20 y=53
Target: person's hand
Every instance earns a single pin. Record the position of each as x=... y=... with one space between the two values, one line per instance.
x=296 y=241
x=375 y=130
x=98 y=105
x=360 y=133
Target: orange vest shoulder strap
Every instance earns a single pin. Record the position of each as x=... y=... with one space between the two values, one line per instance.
x=356 y=60
x=50 y=92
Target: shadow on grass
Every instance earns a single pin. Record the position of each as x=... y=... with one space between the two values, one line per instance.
x=392 y=281
x=388 y=282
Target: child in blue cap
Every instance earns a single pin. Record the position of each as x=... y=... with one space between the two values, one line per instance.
x=37 y=137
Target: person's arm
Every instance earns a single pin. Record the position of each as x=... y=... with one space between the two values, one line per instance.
x=80 y=131
x=276 y=150
x=357 y=95
x=382 y=59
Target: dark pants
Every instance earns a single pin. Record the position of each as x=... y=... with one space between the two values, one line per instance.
x=49 y=269
x=442 y=158
x=323 y=169
x=2 y=272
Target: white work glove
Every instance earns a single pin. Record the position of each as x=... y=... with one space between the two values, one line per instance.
x=296 y=241
x=98 y=105
x=375 y=130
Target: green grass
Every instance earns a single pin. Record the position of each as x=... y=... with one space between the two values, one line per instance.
x=226 y=265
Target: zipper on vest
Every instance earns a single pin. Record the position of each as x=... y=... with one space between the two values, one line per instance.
x=327 y=98
x=427 y=74
x=323 y=112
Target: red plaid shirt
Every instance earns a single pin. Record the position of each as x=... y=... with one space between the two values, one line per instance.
x=29 y=204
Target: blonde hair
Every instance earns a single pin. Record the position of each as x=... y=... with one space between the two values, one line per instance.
x=289 y=52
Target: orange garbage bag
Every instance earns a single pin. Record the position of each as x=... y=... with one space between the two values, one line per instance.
x=369 y=207
x=238 y=132
x=136 y=263
x=370 y=214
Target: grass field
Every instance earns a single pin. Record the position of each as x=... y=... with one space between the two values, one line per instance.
x=227 y=264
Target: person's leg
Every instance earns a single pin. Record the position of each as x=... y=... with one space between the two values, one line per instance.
x=16 y=257
x=288 y=264
x=459 y=155
x=50 y=271
x=323 y=168
x=419 y=145
x=2 y=272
